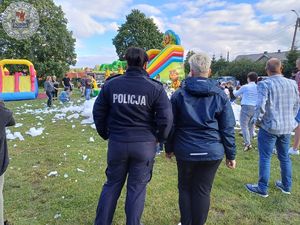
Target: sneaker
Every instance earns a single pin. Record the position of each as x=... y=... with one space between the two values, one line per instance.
x=280 y=186
x=274 y=151
x=247 y=148
x=292 y=151
x=253 y=188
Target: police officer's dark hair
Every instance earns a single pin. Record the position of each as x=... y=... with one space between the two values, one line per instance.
x=252 y=76
x=136 y=57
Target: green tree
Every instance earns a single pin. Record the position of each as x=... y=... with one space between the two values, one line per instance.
x=138 y=31
x=51 y=49
x=289 y=65
x=186 y=62
x=239 y=69
x=218 y=65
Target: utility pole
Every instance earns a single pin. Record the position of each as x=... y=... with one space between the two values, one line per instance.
x=227 y=56
x=296 y=29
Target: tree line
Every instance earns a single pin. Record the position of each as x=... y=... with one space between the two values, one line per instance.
x=52 y=47
x=240 y=68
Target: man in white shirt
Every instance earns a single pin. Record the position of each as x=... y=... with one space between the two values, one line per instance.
x=248 y=93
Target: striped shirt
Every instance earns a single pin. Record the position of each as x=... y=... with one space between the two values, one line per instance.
x=277 y=105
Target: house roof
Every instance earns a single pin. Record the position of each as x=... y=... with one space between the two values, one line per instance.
x=266 y=55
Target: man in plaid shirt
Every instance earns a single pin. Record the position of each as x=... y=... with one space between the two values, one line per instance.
x=276 y=109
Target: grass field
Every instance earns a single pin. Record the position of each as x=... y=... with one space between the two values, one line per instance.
x=31 y=197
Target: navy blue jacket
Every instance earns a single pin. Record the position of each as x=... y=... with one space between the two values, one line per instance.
x=203 y=122
x=133 y=108
x=6 y=119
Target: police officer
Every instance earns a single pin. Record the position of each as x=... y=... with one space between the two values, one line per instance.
x=134 y=113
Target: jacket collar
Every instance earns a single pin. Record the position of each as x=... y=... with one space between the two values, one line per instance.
x=276 y=76
x=136 y=71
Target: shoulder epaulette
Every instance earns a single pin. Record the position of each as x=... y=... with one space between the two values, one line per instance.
x=156 y=81
x=112 y=77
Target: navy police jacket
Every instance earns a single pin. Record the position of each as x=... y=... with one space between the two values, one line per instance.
x=203 y=122
x=133 y=108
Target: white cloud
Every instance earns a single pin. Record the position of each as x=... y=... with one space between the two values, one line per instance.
x=113 y=26
x=160 y=23
x=106 y=54
x=92 y=60
x=278 y=7
x=213 y=26
x=235 y=27
x=86 y=18
x=147 y=9
x=79 y=44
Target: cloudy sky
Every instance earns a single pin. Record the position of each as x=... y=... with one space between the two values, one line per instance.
x=212 y=26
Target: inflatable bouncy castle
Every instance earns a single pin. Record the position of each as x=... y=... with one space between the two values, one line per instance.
x=20 y=85
x=167 y=64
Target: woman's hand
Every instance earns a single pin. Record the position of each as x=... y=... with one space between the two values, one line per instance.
x=231 y=164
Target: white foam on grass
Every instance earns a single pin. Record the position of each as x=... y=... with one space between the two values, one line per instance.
x=12 y=136
x=80 y=170
x=73 y=116
x=18 y=125
x=35 y=131
x=53 y=174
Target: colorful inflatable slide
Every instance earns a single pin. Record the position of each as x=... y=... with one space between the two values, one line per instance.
x=20 y=85
x=167 y=62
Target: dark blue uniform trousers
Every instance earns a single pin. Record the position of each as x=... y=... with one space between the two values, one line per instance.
x=135 y=160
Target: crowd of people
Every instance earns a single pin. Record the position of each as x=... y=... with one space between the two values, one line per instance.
x=197 y=126
x=87 y=85
x=51 y=87
x=134 y=113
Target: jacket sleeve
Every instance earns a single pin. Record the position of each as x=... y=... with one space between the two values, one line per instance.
x=163 y=116
x=226 y=121
x=169 y=146
x=11 y=121
x=239 y=92
x=7 y=118
x=100 y=114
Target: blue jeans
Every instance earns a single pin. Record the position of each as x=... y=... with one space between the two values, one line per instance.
x=266 y=143
x=50 y=97
x=88 y=93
